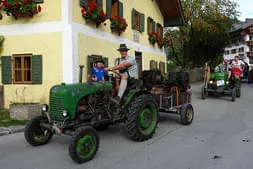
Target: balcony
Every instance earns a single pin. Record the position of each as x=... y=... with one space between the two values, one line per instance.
x=250 y=43
x=250 y=54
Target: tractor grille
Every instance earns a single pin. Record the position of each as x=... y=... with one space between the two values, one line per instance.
x=56 y=108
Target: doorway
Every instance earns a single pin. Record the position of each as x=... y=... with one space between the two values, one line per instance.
x=1 y=97
x=138 y=58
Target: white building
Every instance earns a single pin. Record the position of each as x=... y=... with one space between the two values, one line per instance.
x=242 y=45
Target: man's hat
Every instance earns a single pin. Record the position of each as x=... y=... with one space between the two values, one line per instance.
x=123 y=47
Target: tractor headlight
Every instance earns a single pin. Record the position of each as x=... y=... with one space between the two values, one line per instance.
x=211 y=82
x=65 y=113
x=227 y=82
x=44 y=107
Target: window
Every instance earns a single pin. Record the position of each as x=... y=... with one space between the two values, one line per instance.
x=114 y=8
x=84 y=3
x=137 y=21
x=226 y=52
x=241 y=49
x=233 y=51
x=250 y=60
x=91 y=62
x=160 y=29
x=22 y=69
x=151 y=26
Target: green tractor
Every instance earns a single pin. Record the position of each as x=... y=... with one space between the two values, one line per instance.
x=80 y=109
x=217 y=82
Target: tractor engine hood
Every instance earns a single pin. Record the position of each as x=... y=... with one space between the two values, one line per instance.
x=64 y=98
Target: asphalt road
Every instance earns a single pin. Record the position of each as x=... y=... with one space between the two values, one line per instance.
x=220 y=137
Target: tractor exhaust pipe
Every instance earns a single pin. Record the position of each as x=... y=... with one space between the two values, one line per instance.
x=81 y=73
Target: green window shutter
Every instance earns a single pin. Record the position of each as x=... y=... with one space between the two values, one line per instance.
x=100 y=3
x=109 y=8
x=120 y=9
x=106 y=64
x=89 y=64
x=6 y=69
x=133 y=18
x=148 y=22
x=83 y=3
x=37 y=69
x=142 y=22
x=162 y=31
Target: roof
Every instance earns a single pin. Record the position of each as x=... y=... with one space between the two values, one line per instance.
x=172 y=12
x=243 y=25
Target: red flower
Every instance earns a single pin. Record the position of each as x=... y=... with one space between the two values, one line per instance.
x=39 y=8
x=83 y=10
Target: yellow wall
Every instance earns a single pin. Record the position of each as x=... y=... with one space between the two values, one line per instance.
x=49 y=45
x=149 y=8
x=50 y=11
x=91 y=46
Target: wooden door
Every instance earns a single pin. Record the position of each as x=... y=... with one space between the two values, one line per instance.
x=138 y=58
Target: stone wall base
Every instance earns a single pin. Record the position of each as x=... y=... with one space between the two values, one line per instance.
x=24 y=111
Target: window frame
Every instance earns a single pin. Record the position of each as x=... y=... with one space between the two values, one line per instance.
x=22 y=69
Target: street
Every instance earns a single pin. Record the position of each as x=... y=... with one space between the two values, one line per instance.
x=220 y=137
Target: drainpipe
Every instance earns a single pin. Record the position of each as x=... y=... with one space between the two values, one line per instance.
x=81 y=73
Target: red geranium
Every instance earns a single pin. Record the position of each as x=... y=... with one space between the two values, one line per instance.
x=94 y=13
x=118 y=24
x=21 y=8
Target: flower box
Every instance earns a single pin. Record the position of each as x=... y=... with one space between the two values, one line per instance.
x=118 y=24
x=93 y=13
x=21 y=8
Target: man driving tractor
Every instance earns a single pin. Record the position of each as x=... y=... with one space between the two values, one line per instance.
x=125 y=67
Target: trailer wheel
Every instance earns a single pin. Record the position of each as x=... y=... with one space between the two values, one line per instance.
x=186 y=114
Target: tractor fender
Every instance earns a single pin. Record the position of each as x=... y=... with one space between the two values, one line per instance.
x=133 y=93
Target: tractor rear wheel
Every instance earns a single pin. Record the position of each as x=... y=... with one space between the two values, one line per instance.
x=84 y=144
x=142 y=117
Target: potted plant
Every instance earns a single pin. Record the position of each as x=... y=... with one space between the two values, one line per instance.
x=21 y=8
x=152 y=38
x=118 y=24
x=94 y=13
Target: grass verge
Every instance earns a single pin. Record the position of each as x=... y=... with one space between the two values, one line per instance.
x=6 y=121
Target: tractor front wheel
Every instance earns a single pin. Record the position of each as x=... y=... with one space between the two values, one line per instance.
x=84 y=144
x=142 y=117
x=35 y=134
x=238 y=88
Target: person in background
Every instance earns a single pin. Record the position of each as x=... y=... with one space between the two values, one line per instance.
x=98 y=71
x=236 y=63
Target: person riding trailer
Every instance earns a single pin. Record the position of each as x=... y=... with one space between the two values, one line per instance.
x=127 y=67
x=236 y=68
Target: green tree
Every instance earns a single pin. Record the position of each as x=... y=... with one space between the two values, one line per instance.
x=205 y=34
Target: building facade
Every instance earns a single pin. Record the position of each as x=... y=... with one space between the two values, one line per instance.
x=242 y=45
x=48 y=48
